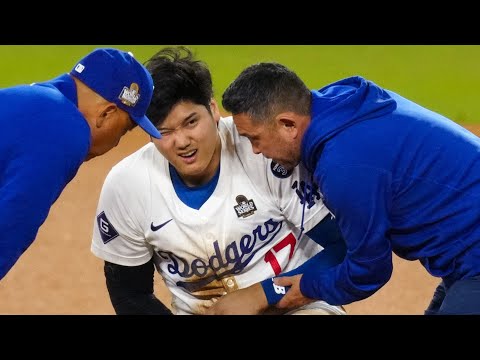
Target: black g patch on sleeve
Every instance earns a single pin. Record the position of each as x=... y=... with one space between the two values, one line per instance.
x=107 y=231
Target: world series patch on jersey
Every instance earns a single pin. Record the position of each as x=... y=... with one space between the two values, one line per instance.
x=247 y=231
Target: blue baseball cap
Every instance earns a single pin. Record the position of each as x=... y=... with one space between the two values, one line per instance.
x=119 y=78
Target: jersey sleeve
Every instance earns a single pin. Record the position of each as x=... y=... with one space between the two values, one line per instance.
x=120 y=221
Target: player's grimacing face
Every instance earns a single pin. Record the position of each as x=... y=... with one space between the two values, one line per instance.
x=190 y=141
x=269 y=140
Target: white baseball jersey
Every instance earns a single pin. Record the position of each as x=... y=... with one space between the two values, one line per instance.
x=247 y=230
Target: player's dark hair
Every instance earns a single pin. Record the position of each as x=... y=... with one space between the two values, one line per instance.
x=177 y=76
x=265 y=89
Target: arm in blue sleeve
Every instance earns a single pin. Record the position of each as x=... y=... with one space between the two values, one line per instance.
x=327 y=234
x=359 y=197
x=29 y=187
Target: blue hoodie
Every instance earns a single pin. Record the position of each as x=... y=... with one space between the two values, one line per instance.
x=43 y=142
x=397 y=177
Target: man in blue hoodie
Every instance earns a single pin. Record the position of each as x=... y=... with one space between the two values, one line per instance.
x=49 y=129
x=397 y=177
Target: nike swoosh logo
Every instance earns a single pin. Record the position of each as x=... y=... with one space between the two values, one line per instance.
x=158 y=227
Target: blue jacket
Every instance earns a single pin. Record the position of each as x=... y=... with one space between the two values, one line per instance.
x=43 y=141
x=397 y=177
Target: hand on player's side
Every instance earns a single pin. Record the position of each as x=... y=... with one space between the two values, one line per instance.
x=294 y=297
x=247 y=301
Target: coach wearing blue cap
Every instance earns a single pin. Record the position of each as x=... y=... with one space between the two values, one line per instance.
x=49 y=129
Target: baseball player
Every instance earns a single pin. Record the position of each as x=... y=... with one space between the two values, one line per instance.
x=197 y=204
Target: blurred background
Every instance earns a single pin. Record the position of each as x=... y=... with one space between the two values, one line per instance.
x=59 y=275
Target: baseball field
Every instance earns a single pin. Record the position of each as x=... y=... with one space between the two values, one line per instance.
x=59 y=275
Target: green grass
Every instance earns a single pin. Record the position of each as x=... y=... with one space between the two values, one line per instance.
x=444 y=78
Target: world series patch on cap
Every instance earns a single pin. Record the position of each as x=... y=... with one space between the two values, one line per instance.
x=119 y=78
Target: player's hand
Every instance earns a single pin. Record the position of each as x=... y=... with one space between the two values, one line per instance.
x=247 y=301
x=293 y=298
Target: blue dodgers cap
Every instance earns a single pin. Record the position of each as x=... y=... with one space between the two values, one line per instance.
x=119 y=78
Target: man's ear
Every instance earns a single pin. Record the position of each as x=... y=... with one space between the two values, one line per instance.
x=215 y=111
x=287 y=123
x=106 y=112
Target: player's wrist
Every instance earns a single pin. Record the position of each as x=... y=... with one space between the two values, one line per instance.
x=273 y=293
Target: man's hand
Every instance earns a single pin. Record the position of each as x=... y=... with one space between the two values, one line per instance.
x=293 y=298
x=247 y=301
